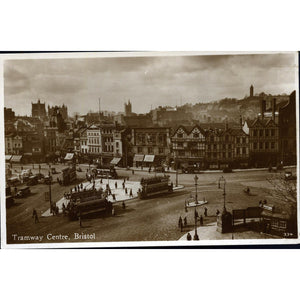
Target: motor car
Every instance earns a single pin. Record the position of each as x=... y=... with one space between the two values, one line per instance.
x=227 y=170
x=23 y=192
x=32 y=180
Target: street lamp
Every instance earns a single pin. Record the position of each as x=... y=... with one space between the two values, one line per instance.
x=50 y=200
x=196 y=184
x=223 y=181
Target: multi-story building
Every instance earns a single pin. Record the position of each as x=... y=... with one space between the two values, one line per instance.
x=13 y=144
x=94 y=140
x=188 y=145
x=288 y=131
x=264 y=138
x=150 y=145
x=227 y=147
x=9 y=114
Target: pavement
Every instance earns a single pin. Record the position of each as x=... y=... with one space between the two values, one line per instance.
x=209 y=232
x=119 y=192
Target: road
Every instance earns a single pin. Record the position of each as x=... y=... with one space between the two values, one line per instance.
x=153 y=219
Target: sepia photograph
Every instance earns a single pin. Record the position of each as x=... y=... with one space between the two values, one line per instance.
x=150 y=148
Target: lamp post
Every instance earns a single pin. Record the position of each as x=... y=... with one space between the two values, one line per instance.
x=196 y=237
x=50 y=200
x=196 y=184
x=223 y=181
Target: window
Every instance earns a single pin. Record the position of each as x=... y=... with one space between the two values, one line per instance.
x=150 y=150
x=260 y=145
x=237 y=140
x=180 y=144
x=229 y=154
x=237 y=150
x=196 y=135
x=226 y=138
x=229 y=146
x=244 y=150
x=272 y=145
x=215 y=147
x=255 y=132
x=212 y=139
x=255 y=146
x=223 y=146
x=267 y=132
x=224 y=154
x=181 y=153
x=117 y=144
x=180 y=135
x=261 y=132
x=267 y=145
x=272 y=132
x=244 y=140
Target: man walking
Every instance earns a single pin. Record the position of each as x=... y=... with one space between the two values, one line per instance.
x=35 y=216
x=205 y=211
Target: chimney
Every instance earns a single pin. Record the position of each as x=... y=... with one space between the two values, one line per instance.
x=273 y=108
x=262 y=108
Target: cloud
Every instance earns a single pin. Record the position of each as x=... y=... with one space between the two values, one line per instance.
x=159 y=80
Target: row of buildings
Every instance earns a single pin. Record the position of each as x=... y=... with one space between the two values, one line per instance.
x=267 y=140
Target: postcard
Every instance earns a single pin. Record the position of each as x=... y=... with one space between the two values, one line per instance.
x=135 y=149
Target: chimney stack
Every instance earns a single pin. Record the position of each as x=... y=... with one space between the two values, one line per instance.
x=273 y=108
x=262 y=108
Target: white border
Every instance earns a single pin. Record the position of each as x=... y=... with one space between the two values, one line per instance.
x=140 y=243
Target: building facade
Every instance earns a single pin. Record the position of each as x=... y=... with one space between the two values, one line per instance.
x=264 y=139
x=188 y=146
x=151 y=143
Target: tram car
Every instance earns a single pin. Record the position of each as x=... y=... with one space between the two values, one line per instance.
x=110 y=173
x=88 y=202
x=155 y=186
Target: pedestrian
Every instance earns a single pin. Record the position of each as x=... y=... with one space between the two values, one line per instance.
x=126 y=191
x=205 y=211
x=201 y=220
x=80 y=222
x=218 y=212
x=35 y=216
x=114 y=197
x=123 y=205
x=260 y=203
x=180 y=222
x=185 y=221
x=132 y=171
x=123 y=185
x=101 y=181
x=64 y=209
x=189 y=237
x=265 y=202
x=81 y=185
x=130 y=193
x=116 y=184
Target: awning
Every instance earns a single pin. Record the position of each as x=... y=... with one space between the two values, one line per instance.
x=69 y=156
x=8 y=157
x=115 y=160
x=28 y=154
x=138 y=157
x=16 y=158
x=149 y=158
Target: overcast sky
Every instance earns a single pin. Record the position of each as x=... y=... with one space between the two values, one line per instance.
x=146 y=81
